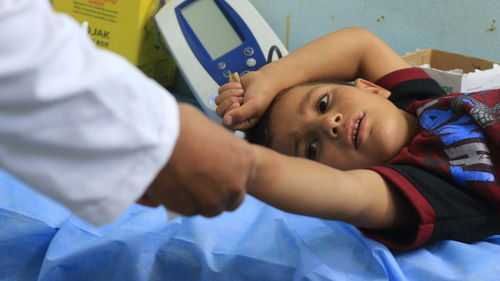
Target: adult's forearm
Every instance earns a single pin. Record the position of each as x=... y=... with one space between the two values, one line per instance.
x=79 y=124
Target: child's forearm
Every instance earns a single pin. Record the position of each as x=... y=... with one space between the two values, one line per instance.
x=344 y=55
x=298 y=185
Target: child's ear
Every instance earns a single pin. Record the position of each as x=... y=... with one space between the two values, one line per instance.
x=371 y=87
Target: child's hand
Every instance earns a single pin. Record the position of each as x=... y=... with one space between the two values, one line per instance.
x=242 y=104
x=230 y=97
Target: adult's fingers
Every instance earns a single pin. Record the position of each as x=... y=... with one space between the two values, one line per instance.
x=190 y=183
x=235 y=200
x=146 y=200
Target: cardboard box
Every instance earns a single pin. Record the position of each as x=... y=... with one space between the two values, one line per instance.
x=455 y=72
x=126 y=28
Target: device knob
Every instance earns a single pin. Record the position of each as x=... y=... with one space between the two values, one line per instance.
x=221 y=65
x=248 y=51
x=251 y=62
x=226 y=73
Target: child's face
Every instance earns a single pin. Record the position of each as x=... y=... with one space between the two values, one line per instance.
x=346 y=127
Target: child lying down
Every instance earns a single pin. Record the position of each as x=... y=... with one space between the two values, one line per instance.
x=393 y=155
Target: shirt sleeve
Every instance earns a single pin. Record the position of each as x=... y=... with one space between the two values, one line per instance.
x=408 y=85
x=79 y=124
x=444 y=212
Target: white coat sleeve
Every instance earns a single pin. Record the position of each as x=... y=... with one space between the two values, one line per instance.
x=77 y=123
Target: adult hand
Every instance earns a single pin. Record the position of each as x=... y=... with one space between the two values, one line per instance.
x=208 y=171
x=242 y=104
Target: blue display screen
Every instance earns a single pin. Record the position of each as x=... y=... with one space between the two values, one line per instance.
x=219 y=38
x=211 y=27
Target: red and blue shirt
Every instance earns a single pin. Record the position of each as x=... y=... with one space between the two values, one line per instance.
x=448 y=172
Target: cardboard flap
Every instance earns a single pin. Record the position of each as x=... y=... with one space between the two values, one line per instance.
x=447 y=61
x=455 y=72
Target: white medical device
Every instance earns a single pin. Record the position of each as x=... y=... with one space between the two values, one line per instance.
x=210 y=39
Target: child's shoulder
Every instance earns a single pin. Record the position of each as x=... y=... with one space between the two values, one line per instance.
x=408 y=85
x=394 y=78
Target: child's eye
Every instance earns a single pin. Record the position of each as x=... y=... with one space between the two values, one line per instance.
x=311 y=150
x=323 y=103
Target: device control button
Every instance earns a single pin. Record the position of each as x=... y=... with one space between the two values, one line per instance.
x=226 y=73
x=251 y=62
x=211 y=100
x=248 y=51
x=221 y=65
x=244 y=72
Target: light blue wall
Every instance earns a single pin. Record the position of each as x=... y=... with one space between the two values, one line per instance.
x=462 y=26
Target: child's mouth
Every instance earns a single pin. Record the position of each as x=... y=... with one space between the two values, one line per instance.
x=355 y=131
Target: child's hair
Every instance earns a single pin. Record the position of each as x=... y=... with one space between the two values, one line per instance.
x=259 y=133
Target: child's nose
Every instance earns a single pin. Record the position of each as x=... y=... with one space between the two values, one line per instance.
x=330 y=124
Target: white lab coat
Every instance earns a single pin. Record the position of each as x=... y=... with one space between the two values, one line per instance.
x=77 y=123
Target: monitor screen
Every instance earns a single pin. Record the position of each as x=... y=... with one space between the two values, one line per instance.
x=211 y=27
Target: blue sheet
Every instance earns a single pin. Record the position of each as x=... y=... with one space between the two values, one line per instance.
x=41 y=240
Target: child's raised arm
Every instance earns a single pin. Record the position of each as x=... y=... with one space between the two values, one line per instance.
x=359 y=197
x=343 y=55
